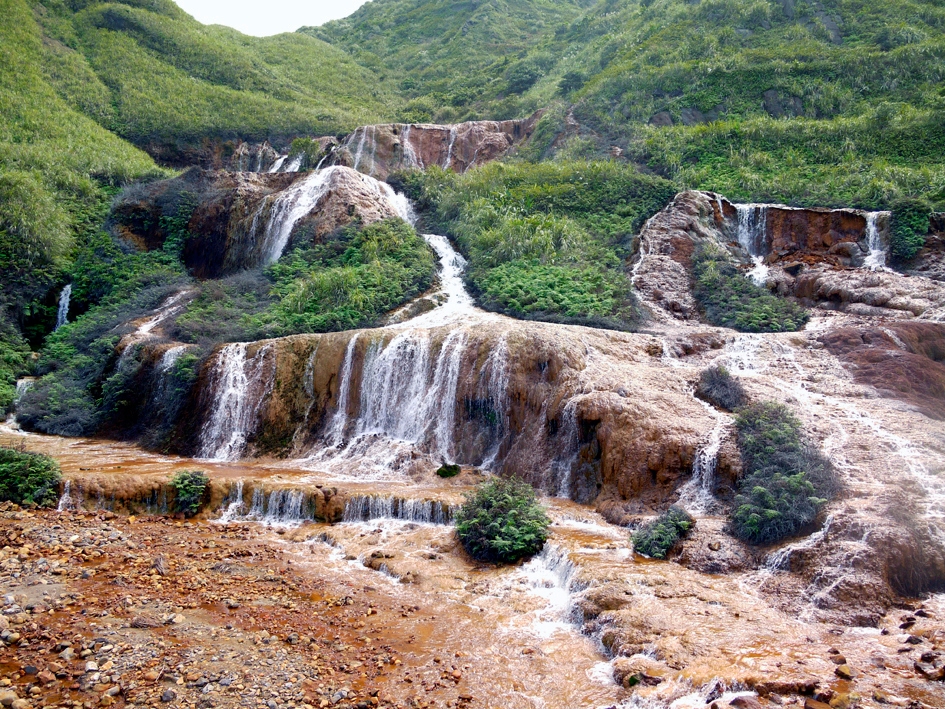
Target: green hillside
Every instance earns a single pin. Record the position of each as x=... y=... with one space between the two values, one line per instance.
x=456 y=59
x=838 y=102
x=157 y=77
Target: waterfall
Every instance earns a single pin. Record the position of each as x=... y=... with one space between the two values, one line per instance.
x=363 y=508
x=412 y=159
x=449 y=151
x=360 y=151
x=62 y=316
x=171 y=306
x=232 y=418
x=284 y=507
x=234 y=504
x=568 y=448
x=696 y=496
x=170 y=357
x=277 y=165
x=67 y=501
x=296 y=163
x=336 y=429
x=288 y=208
x=457 y=304
x=300 y=199
x=753 y=237
x=401 y=400
x=551 y=575
x=876 y=259
x=22 y=386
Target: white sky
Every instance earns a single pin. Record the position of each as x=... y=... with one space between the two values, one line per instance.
x=266 y=17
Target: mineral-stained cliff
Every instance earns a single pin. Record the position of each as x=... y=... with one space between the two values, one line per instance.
x=382 y=149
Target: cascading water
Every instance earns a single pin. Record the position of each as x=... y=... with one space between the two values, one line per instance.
x=364 y=508
x=62 y=316
x=303 y=197
x=568 y=443
x=236 y=382
x=411 y=158
x=277 y=165
x=234 y=504
x=449 y=150
x=67 y=501
x=696 y=496
x=296 y=163
x=876 y=259
x=753 y=236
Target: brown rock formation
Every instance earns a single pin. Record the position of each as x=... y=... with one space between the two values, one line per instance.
x=237 y=217
x=381 y=149
x=903 y=361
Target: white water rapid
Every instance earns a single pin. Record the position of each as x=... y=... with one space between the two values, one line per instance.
x=62 y=316
x=752 y=236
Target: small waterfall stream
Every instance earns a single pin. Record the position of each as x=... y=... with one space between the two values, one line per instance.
x=62 y=315
x=876 y=259
x=753 y=237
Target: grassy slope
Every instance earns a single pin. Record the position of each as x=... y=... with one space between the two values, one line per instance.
x=54 y=166
x=859 y=83
x=154 y=75
x=455 y=58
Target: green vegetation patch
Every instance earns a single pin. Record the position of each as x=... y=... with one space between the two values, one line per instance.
x=729 y=299
x=546 y=241
x=190 y=487
x=28 y=478
x=785 y=482
x=448 y=470
x=502 y=521
x=658 y=537
x=910 y=226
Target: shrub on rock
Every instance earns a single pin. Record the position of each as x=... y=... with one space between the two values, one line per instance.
x=189 y=487
x=721 y=389
x=502 y=521
x=28 y=478
x=658 y=537
x=910 y=225
x=448 y=470
x=785 y=481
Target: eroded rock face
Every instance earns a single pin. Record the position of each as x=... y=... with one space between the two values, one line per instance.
x=241 y=220
x=510 y=396
x=381 y=149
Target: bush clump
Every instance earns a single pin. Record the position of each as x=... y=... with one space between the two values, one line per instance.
x=721 y=389
x=910 y=225
x=28 y=478
x=502 y=521
x=729 y=299
x=785 y=481
x=448 y=470
x=658 y=537
x=189 y=487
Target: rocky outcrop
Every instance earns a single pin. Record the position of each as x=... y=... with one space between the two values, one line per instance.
x=816 y=255
x=244 y=220
x=904 y=361
x=379 y=150
x=512 y=397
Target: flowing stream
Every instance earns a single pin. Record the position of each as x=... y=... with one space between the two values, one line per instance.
x=62 y=315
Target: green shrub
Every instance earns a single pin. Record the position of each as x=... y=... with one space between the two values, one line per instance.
x=448 y=470
x=189 y=488
x=28 y=478
x=910 y=225
x=729 y=299
x=502 y=521
x=658 y=537
x=721 y=389
x=785 y=482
